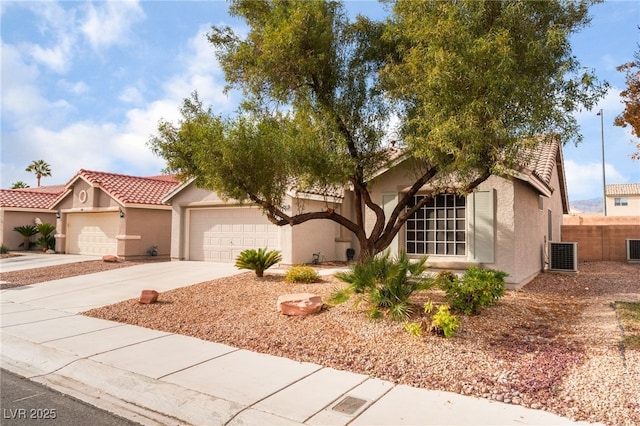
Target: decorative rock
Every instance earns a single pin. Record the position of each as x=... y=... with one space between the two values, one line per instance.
x=148 y=296
x=109 y=258
x=299 y=304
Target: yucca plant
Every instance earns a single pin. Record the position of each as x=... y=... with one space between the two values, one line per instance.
x=383 y=283
x=27 y=231
x=258 y=260
x=46 y=240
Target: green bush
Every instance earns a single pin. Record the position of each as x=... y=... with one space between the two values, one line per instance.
x=443 y=322
x=4 y=249
x=413 y=328
x=27 y=231
x=384 y=284
x=476 y=289
x=258 y=260
x=46 y=240
x=302 y=274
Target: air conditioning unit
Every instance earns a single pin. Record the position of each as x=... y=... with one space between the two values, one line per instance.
x=633 y=250
x=563 y=257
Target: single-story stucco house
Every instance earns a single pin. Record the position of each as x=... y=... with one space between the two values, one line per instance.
x=504 y=224
x=113 y=214
x=25 y=206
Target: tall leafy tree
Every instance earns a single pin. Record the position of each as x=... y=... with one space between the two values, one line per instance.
x=469 y=81
x=40 y=168
x=630 y=116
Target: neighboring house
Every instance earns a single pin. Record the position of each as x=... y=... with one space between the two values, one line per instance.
x=623 y=199
x=505 y=224
x=106 y=213
x=25 y=206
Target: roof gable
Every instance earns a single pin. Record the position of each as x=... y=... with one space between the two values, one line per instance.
x=129 y=189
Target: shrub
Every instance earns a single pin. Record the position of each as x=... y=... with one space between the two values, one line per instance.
x=476 y=289
x=383 y=283
x=413 y=328
x=258 y=260
x=46 y=240
x=302 y=274
x=444 y=322
x=27 y=231
x=4 y=249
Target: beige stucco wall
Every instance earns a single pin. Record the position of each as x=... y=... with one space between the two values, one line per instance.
x=143 y=228
x=10 y=218
x=631 y=209
x=521 y=226
x=316 y=236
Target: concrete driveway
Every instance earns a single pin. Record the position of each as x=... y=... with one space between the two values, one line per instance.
x=84 y=292
x=28 y=260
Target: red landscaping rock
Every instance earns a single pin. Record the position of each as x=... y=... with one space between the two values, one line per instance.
x=299 y=304
x=148 y=296
x=109 y=258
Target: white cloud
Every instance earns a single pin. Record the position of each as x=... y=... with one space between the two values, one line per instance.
x=77 y=88
x=131 y=95
x=202 y=73
x=109 y=23
x=56 y=26
x=584 y=180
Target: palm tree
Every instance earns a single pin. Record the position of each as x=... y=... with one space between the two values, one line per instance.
x=19 y=184
x=40 y=168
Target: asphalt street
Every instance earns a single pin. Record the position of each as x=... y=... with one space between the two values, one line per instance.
x=28 y=403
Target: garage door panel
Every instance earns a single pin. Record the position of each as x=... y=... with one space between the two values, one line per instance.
x=221 y=234
x=92 y=233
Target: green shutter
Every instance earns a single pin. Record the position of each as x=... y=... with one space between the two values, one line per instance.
x=482 y=226
x=389 y=202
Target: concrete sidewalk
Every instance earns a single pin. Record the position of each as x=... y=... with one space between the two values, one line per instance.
x=159 y=378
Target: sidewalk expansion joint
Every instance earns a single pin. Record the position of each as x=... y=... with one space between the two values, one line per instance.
x=273 y=393
x=197 y=363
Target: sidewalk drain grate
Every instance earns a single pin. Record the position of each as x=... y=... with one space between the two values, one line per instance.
x=349 y=405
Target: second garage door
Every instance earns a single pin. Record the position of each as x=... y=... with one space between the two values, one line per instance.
x=92 y=233
x=220 y=234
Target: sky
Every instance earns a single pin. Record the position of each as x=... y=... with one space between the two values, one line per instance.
x=84 y=84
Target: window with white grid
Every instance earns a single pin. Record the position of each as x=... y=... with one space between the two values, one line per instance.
x=439 y=227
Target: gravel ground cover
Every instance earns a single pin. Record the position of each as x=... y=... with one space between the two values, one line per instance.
x=554 y=345
x=50 y=273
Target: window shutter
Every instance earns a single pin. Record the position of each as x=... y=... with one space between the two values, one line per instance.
x=389 y=202
x=482 y=226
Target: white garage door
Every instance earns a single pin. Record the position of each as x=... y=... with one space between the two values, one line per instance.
x=220 y=234
x=92 y=233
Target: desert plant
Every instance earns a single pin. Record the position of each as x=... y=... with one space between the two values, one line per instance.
x=258 y=260
x=46 y=240
x=385 y=284
x=4 y=249
x=27 y=231
x=444 y=322
x=301 y=274
x=413 y=328
x=476 y=289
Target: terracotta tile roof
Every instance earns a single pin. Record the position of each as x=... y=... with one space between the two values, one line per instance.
x=51 y=189
x=541 y=161
x=131 y=189
x=27 y=198
x=623 y=189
